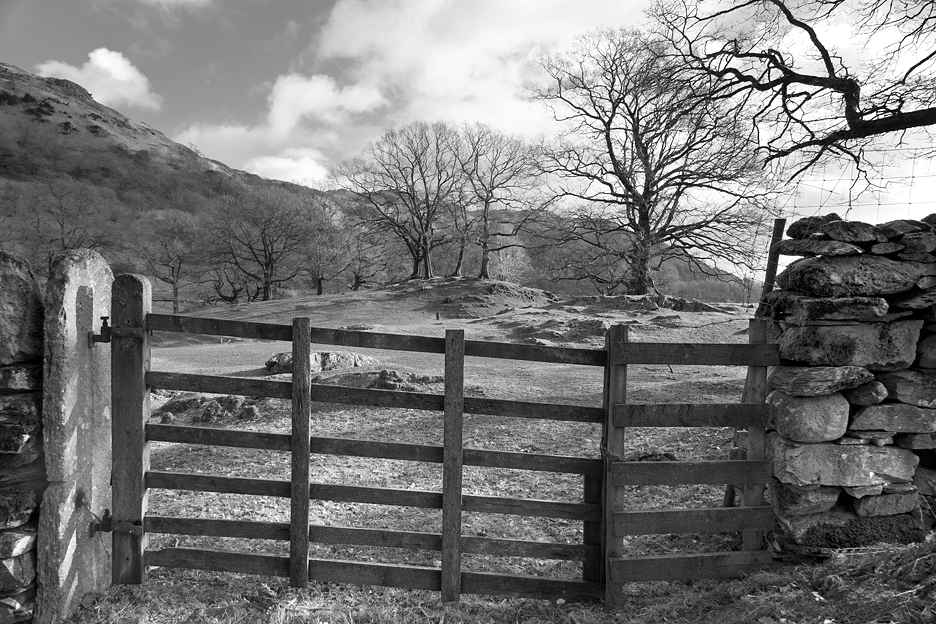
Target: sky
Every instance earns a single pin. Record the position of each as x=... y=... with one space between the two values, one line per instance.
x=288 y=88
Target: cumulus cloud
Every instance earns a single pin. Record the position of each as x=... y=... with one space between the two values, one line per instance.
x=299 y=129
x=110 y=77
x=374 y=64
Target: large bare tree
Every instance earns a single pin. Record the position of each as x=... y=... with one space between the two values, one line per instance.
x=503 y=193
x=172 y=249
x=261 y=234
x=407 y=181
x=648 y=155
x=819 y=77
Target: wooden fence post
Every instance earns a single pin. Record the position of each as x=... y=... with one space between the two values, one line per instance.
x=755 y=392
x=130 y=360
x=612 y=448
x=452 y=464
x=300 y=447
x=592 y=568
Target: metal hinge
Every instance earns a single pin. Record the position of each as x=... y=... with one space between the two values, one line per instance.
x=107 y=524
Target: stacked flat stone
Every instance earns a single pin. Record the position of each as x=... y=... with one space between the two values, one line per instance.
x=22 y=468
x=853 y=441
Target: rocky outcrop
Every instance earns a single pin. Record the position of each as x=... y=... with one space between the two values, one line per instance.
x=321 y=361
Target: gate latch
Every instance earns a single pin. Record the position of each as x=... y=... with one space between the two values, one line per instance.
x=107 y=524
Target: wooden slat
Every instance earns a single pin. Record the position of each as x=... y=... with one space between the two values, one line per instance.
x=238 y=438
x=130 y=408
x=529 y=409
x=220 y=385
x=373 y=340
x=737 y=415
x=711 y=520
x=677 y=567
x=756 y=390
x=690 y=472
x=300 y=453
x=530 y=587
x=381 y=450
x=376 y=496
x=612 y=444
x=591 y=529
x=534 y=353
x=698 y=354
x=531 y=507
x=218 y=327
x=198 y=559
x=377 y=398
x=452 y=422
x=217 y=528
x=500 y=547
x=215 y=483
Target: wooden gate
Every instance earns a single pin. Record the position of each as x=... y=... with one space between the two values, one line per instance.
x=601 y=508
x=753 y=414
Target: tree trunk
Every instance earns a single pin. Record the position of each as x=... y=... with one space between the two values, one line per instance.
x=641 y=283
x=460 y=260
x=175 y=298
x=358 y=280
x=485 y=272
x=319 y=285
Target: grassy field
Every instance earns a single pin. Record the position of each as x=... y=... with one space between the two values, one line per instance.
x=884 y=584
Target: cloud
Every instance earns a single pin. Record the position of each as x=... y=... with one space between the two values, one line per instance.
x=174 y=4
x=374 y=64
x=300 y=125
x=110 y=77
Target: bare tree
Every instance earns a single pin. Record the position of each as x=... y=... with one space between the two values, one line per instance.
x=807 y=98
x=262 y=234
x=504 y=176
x=407 y=180
x=644 y=147
x=171 y=249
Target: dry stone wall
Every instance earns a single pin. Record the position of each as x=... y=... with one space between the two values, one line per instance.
x=22 y=465
x=853 y=440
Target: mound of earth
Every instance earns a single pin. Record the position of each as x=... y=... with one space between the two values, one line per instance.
x=321 y=361
x=492 y=299
x=203 y=408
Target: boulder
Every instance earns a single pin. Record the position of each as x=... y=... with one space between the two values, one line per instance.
x=914 y=387
x=21 y=316
x=806 y=226
x=926 y=282
x=918 y=242
x=848 y=276
x=897 y=417
x=870 y=393
x=21 y=409
x=853 y=232
x=811 y=418
x=880 y=438
x=810 y=381
x=812 y=247
x=793 y=500
x=17 y=505
x=321 y=361
x=883 y=249
x=800 y=310
x=876 y=346
x=886 y=504
x=17 y=573
x=832 y=464
x=899 y=227
x=917 y=257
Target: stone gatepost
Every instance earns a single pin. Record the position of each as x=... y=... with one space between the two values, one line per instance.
x=74 y=560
